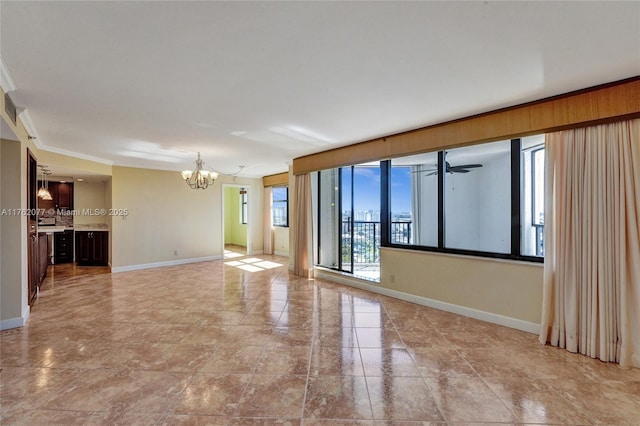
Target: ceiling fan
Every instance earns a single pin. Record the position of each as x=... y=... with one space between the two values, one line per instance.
x=464 y=168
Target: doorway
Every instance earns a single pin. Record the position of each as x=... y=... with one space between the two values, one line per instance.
x=235 y=208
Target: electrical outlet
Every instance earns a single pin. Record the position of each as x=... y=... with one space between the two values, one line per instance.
x=175 y=252
x=392 y=279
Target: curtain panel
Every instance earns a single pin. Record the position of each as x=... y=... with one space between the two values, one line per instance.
x=268 y=221
x=591 y=293
x=302 y=232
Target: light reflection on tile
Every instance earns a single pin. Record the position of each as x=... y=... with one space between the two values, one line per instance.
x=211 y=343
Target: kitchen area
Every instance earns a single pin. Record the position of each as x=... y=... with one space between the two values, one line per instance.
x=72 y=221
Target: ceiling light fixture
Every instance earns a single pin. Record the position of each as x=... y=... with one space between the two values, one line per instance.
x=199 y=178
x=43 y=192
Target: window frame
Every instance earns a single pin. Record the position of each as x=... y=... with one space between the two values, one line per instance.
x=244 y=204
x=539 y=227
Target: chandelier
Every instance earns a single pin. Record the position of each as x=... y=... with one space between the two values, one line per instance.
x=198 y=178
x=43 y=192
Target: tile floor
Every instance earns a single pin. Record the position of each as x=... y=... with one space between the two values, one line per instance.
x=241 y=341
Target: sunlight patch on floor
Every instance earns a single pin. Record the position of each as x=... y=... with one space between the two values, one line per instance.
x=251 y=264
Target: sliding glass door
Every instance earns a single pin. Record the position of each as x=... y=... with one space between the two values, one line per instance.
x=349 y=219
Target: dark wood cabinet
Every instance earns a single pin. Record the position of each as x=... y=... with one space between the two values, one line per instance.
x=63 y=247
x=92 y=248
x=61 y=194
x=65 y=196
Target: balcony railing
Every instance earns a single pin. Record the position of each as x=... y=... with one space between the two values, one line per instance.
x=366 y=240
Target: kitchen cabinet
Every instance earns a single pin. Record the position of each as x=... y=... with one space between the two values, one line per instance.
x=61 y=194
x=92 y=248
x=63 y=247
x=65 y=196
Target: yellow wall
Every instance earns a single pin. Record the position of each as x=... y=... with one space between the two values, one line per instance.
x=234 y=231
x=13 y=303
x=281 y=241
x=89 y=196
x=501 y=287
x=167 y=220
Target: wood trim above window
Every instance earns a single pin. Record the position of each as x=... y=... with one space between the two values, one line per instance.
x=279 y=179
x=605 y=103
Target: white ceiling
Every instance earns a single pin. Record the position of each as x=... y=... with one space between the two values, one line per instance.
x=148 y=84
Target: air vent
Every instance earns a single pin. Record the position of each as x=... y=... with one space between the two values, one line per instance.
x=10 y=108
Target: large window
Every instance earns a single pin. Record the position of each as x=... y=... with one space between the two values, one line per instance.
x=280 y=206
x=469 y=200
x=482 y=200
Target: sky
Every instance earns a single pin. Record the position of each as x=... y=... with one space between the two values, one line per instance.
x=367 y=188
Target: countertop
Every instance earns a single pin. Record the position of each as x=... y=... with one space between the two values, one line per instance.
x=92 y=227
x=48 y=229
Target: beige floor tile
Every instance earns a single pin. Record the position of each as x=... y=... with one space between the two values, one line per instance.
x=402 y=398
x=337 y=397
x=280 y=360
x=468 y=399
x=388 y=362
x=273 y=396
x=336 y=361
x=208 y=343
x=212 y=394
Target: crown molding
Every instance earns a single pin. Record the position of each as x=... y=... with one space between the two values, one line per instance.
x=29 y=127
x=75 y=154
x=25 y=117
x=6 y=81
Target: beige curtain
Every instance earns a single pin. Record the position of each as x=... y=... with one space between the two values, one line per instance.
x=591 y=296
x=268 y=222
x=302 y=238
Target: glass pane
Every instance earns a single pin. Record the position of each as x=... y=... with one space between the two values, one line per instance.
x=533 y=196
x=328 y=219
x=366 y=223
x=478 y=198
x=346 y=175
x=414 y=200
x=279 y=210
x=279 y=206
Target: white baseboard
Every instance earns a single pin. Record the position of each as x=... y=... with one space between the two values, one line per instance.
x=491 y=317
x=15 y=322
x=162 y=264
x=281 y=253
x=255 y=253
